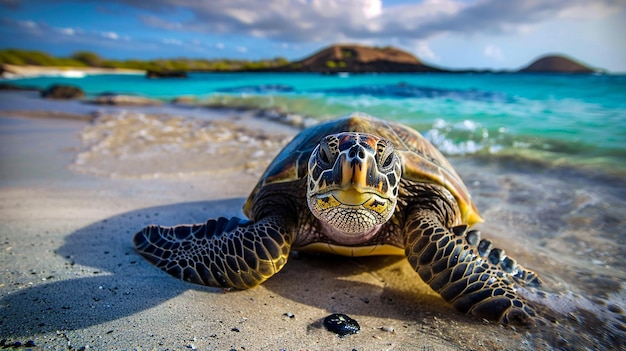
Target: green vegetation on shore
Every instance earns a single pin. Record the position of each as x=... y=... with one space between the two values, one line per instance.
x=89 y=59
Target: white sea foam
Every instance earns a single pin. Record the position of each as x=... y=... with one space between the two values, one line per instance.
x=467 y=124
x=450 y=147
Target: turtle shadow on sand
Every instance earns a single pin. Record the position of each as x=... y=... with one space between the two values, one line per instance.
x=113 y=281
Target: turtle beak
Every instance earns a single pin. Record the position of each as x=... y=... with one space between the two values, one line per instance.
x=354 y=175
x=355 y=168
x=355 y=171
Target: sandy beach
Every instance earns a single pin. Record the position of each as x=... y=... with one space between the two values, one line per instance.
x=73 y=192
x=21 y=71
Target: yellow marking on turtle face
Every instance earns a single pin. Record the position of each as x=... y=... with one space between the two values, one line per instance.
x=326 y=202
x=367 y=250
x=351 y=196
x=376 y=205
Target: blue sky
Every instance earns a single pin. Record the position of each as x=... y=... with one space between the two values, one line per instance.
x=500 y=34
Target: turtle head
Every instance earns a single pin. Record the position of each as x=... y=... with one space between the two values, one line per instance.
x=353 y=184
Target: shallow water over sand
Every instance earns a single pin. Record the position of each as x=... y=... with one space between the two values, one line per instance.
x=137 y=145
x=575 y=119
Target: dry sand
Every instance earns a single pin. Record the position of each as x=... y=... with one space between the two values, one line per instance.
x=70 y=277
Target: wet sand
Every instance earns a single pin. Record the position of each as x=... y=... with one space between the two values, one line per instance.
x=73 y=193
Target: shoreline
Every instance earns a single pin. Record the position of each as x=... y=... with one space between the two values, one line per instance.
x=445 y=116
x=598 y=166
x=72 y=276
x=28 y=71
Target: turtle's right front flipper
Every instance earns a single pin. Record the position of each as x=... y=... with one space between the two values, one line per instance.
x=228 y=253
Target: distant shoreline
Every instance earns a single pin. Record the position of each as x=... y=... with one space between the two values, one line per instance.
x=10 y=72
x=337 y=59
x=27 y=71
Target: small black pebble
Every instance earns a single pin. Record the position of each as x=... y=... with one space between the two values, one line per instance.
x=235 y=329
x=341 y=324
x=30 y=343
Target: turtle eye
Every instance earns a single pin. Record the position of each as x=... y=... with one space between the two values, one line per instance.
x=323 y=154
x=384 y=152
x=381 y=146
x=388 y=161
x=326 y=155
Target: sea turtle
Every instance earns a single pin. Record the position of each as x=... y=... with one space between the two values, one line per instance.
x=353 y=186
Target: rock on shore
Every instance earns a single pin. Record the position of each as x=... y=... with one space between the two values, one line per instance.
x=165 y=74
x=65 y=92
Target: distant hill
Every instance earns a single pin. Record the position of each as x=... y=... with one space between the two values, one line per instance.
x=556 y=64
x=357 y=58
x=330 y=60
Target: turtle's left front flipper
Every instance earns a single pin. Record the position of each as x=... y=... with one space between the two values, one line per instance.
x=228 y=253
x=452 y=262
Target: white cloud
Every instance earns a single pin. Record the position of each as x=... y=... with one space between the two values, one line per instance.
x=424 y=52
x=219 y=46
x=28 y=24
x=592 y=10
x=357 y=20
x=242 y=49
x=110 y=35
x=67 y=31
x=493 y=52
x=372 y=8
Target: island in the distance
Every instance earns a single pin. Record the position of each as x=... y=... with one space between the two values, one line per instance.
x=557 y=63
x=363 y=59
x=358 y=59
x=335 y=59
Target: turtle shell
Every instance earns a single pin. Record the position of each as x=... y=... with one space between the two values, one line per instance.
x=422 y=162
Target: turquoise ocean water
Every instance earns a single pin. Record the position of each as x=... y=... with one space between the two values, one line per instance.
x=570 y=120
